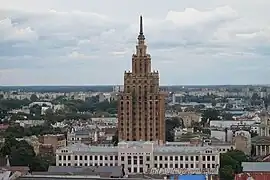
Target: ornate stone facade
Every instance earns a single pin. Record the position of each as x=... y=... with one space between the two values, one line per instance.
x=141 y=110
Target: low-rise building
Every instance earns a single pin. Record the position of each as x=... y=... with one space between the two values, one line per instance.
x=56 y=140
x=142 y=157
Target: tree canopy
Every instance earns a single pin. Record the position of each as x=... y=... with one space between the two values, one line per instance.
x=21 y=153
x=230 y=164
x=19 y=131
x=170 y=124
x=210 y=114
x=9 y=104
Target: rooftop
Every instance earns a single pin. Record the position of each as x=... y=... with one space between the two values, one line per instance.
x=256 y=166
x=182 y=149
x=78 y=147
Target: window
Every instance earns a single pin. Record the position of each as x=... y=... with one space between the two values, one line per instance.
x=171 y=158
x=81 y=158
x=85 y=157
x=60 y=158
x=147 y=158
x=213 y=158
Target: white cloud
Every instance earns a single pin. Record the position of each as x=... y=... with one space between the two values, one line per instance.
x=9 y=32
x=186 y=40
x=77 y=55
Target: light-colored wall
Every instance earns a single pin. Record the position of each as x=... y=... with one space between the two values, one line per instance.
x=148 y=155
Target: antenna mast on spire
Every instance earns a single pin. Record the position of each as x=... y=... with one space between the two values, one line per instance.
x=141 y=35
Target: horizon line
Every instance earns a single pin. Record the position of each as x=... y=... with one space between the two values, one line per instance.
x=76 y=85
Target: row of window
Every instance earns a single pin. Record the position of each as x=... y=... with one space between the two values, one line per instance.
x=79 y=157
x=140 y=97
x=90 y=164
x=141 y=158
x=187 y=158
x=184 y=165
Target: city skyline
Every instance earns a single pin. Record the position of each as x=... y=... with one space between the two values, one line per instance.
x=73 y=43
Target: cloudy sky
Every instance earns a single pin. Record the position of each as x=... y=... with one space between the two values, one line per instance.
x=89 y=42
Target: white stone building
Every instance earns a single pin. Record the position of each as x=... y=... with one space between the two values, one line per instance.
x=141 y=157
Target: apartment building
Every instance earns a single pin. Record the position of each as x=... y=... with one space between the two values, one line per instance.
x=141 y=157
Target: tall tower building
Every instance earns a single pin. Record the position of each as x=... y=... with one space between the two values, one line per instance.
x=141 y=109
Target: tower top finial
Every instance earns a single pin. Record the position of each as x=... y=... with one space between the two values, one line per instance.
x=141 y=36
x=141 y=25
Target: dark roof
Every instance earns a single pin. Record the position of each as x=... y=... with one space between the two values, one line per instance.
x=103 y=171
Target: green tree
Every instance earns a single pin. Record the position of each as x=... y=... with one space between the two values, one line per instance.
x=33 y=98
x=22 y=154
x=255 y=96
x=227 y=116
x=35 y=110
x=115 y=139
x=9 y=104
x=170 y=124
x=226 y=173
x=210 y=114
x=42 y=162
x=230 y=163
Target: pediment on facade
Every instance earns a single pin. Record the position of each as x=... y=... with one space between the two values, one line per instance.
x=261 y=140
x=136 y=146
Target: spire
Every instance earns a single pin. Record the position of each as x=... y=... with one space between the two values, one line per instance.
x=141 y=25
x=141 y=36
